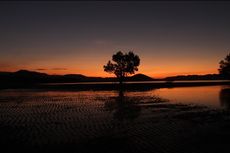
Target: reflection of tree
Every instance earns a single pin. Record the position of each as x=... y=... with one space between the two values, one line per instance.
x=225 y=98
x=123 y=107
x=129 y=108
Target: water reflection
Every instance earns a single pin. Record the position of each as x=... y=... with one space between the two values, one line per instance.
x=126 y=103
x=203 y=95
x=225 y=98
x=123 y=107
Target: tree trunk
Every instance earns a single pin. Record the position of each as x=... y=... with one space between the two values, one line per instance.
x=121 y=80
x=121 y=83
x=121 y=90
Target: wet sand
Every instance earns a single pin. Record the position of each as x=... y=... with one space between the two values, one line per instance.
x=62 y=122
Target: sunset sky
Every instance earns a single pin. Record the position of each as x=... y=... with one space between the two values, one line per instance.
x=171 y=38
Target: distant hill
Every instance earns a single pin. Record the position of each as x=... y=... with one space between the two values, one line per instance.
x=31 y=77
x=196 y=77
x=5 y=73
x=28 y=77
x=139 y=77
x=29 y=73
x=22 y=76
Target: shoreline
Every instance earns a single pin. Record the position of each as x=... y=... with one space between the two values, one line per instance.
x=113 y=85
x=47 y=125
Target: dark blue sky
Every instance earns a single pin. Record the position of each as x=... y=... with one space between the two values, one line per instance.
x=79 y=37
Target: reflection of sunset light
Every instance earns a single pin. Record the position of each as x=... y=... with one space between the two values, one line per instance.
x=208 y=96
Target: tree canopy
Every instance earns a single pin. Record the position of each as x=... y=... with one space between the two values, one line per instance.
x=123 y=65
x=224 y=68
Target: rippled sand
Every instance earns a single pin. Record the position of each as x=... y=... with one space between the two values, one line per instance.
x=45 y=121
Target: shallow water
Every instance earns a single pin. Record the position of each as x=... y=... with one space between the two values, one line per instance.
x=106 y=121
x=211 y=96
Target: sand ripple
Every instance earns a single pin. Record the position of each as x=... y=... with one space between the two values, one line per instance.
x=86 y=122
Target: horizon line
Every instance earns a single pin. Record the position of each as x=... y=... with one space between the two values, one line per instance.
x=107 y=76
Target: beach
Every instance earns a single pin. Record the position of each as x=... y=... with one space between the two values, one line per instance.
x=44 y=121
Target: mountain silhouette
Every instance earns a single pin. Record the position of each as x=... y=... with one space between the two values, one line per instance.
x=196 y=77
x=25 y=77
x=26 y=73
x=28 y=77
x=140 y=77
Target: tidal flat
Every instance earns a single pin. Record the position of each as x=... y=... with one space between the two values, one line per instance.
x=35 y=120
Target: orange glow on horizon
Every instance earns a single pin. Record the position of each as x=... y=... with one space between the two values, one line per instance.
x=156 y=75
x=88 y=65
x=68 y=38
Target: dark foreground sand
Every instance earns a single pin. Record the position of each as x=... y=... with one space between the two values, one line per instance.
x=64 y=123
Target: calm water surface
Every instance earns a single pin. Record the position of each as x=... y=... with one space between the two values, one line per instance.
x=212 y=96
x=136 y=82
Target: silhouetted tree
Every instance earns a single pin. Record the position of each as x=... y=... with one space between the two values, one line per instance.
x=225 y=66
x=123 y=65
